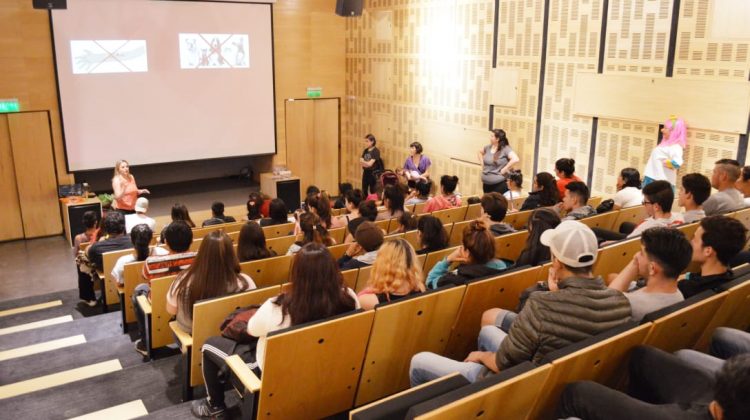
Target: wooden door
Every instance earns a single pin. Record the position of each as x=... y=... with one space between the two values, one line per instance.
x=312 y=142
x=34 y=162
x=10 y=208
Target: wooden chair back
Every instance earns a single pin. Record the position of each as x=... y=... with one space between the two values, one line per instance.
x=338 y=250
x=613 y=258
x=327 y=382
x=603 y=221
x=743 y=216
x=412 y=237
x=517 y=202
x=509 y=399
x=419 y=208
x=688 y=229
x=268 y=271
x=682 y=329
x=420 y=261
x=350 y=278
x=362 y=278
x=473 y=211
x=338 y=234
x=733 y=313
x=631 y=214
x=161 y=334
x=201 y=232
x=510 y=246
x=457 y=233
x=274 y=231
x=133 y=276
x=208 y=316
x=603 y=362
x=453 y=215
x=502 y=291
x=393 y=236
x=280 y=244
x=519 y=219
x=421 y=323
x=109 y=259
x=544 y=272
x=595 y=201
x=434 y=257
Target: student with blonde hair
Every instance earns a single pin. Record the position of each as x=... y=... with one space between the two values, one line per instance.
x=395 y=274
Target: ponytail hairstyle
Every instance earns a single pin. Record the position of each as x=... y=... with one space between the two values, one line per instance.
x=312 y=230
x=515 y=176
x=448 y=183
x=549 y=195
x=141 y=236
x=502 y=140
x=479 y=242
x=567 y=166
x=254 y=203
x=322 y=205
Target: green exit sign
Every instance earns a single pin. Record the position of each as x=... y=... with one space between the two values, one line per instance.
x=314 y=92
x=9 y=105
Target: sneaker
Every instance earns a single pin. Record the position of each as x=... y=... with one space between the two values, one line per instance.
x=202 y=408
x=140 y=347
x=91 y=303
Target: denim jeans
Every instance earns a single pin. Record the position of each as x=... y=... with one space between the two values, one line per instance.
x=727 y=342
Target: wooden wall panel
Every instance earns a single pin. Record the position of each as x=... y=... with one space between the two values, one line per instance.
x=12 y=225
x=326 y=151
x=34 y=162
x=300 y=140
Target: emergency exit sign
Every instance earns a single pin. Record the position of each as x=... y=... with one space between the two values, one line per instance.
x=9 y=105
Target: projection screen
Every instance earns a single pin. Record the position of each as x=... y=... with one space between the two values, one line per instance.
x=164 y=81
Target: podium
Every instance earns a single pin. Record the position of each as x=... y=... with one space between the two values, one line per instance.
x=73 y=209
x=285 y=188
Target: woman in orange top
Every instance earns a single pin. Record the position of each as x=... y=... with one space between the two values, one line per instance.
x=565 y=170
x=125 y=189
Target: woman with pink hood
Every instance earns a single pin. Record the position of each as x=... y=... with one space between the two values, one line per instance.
x=666 y=158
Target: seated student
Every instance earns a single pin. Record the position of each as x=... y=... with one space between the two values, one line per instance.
x=278 y=213
x=113 y=239
x=420 y=193
x=515 y=184
x=665 y=253
x=254 y=207
x=447 y=199
x=743 y=184
x=139 y=217
x=544 y=192
x=728 y=198
x=179 y=213
x=217 y=215
x=406 y=223
x=575 y=202
x=90 y=222
x=432 y=234
x=661 y=386
x=251 y=244
x=178 y=237
x=352 y=200
x=628 y=189
x=393 y=200
x=534 y=253
x=368 y=211
x=494 y=209
x=311 y=230
x=396 y=273
x=473 y=200
x=476 y=258
x=362 y=253
x=693 y=193
x=321 y=206
x=565 y=170
x=577 y=306
x=716 y=241
x=343 y=189
x=317 y=293
x=725 y=344
x=141 y=237
x=214 y=273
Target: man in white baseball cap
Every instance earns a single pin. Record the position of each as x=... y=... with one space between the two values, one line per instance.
x=577 y=306
x=139 y=217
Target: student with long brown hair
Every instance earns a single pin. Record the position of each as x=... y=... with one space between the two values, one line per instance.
x=395 y=274
x=215 y=272
x=251 y=244
x=317 y=292
x=476 y=259
x=311 y=230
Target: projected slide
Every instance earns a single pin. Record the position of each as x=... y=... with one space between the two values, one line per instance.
x=108 y=56
x=214 y=51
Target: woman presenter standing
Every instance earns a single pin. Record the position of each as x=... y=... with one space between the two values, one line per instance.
x=496 y=158
x=371 y=163
x=125 y=189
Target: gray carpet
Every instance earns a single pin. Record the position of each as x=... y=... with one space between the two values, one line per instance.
x=94 y=328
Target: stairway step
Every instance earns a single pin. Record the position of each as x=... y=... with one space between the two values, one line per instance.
x=182 y=410
x=69 y=296
x=127 y=411
x=94 y=328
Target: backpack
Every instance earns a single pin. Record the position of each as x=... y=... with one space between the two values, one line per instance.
x=234 y=326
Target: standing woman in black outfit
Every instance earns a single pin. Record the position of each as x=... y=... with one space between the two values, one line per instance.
x=497 y=159
x=370 y=162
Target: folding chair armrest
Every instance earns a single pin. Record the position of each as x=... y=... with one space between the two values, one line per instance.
x=144 y=304
x=120 y=288
x=185 y=339
x=243 y=373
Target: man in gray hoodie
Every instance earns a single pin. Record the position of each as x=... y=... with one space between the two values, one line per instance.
x=575 y=202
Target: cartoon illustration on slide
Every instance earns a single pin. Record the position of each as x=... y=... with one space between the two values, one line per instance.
x=108 y=56
x=214 y=51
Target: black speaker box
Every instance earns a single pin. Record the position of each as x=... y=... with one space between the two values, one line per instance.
x=50 y=4
x=349 y=7
x=288 y=192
